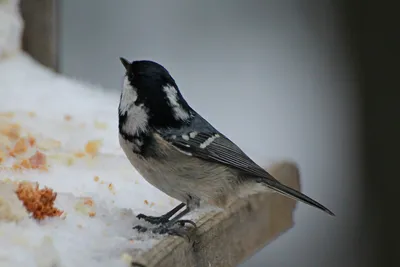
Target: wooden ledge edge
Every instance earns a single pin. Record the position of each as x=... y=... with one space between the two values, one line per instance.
x=228 y=238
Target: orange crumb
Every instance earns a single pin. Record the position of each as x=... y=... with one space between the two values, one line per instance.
x=40 y=202
x=146 y=202
x=96 y=178
x=92 y=214
x=92 y=147
x=26 y=164
x=31 y=114
x=20 y=147
x=79 y=154
x=7 y=114
x=31 y=140
x=89 y=202
x=38 y=160
x=12 y=131
x=67 y=117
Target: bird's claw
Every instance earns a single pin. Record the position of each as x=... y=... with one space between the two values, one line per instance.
x=152 y=219
x=169 y=228
x=183 y=222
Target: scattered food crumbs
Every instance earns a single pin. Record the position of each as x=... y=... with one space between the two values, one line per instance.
x=2 y=156
x=12 y=131
x=39 y=202
x=146 y=202
x=92 y=214
x=92 y=147
x=96 y=178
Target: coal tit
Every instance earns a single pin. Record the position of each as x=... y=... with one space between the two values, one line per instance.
x=180 y=153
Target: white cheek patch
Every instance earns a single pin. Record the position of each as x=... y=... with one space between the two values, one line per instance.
x=137 y=116
x=172 y=96
x=128 y=96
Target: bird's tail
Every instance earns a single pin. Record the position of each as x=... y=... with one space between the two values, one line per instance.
x=293 y=194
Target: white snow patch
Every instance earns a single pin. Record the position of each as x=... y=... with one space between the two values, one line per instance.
x=77 y=240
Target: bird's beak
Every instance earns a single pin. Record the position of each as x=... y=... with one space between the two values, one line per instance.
x=125 y=62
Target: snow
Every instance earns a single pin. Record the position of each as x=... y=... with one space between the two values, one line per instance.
x=63 y=115
x=11 y=26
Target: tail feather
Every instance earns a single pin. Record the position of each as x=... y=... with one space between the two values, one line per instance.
x=294 y=194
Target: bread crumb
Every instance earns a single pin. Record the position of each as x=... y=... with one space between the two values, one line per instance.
x=89 y=202
x=92 y=214
x=92 y=147
x=31 y=140
x=39 y=202
x=146 y=202
x=38 y=161
x=96 y=178
x=20 y=147
x=12 y=131
x=67 y=117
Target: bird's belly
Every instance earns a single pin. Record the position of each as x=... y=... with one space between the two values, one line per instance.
x=187 y=179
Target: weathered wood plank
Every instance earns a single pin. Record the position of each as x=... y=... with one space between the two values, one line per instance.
x=228 y=238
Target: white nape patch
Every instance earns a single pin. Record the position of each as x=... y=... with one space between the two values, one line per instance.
x=128 y=95
x=185 y=137
x=172 y=95
x=193 y=134
x=137 y=116
x=209 y=141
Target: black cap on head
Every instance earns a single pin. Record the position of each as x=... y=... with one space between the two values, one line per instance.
x=125 y=62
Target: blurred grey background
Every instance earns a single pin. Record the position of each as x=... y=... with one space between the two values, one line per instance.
x=272 y=75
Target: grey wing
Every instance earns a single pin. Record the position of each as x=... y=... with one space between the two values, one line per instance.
x=203 y=141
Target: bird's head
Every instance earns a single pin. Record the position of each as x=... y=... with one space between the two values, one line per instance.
x=149 y=86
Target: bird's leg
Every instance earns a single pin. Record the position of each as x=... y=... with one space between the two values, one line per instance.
x=168 y=227
x=161 y=219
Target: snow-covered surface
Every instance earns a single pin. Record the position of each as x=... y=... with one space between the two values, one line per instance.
x=11 y=26
x=39 y=100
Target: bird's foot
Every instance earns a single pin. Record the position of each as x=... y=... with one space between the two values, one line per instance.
x=152 y=219
x=175 y=229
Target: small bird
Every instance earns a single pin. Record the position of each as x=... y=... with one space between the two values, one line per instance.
x=176 y=150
